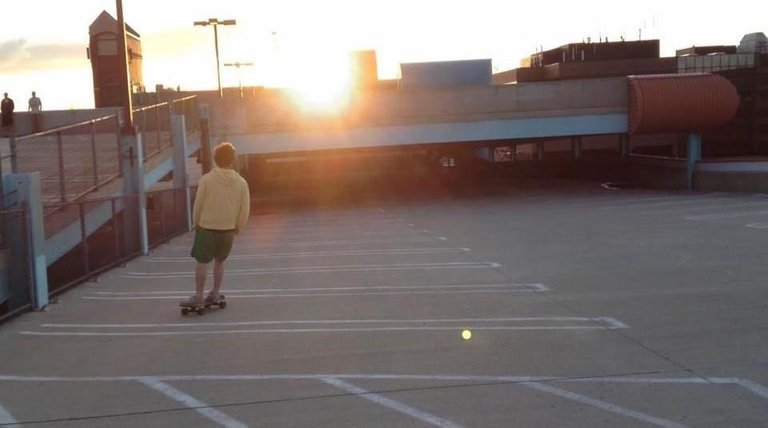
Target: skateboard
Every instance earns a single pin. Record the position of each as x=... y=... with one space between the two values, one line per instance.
x=200 y=308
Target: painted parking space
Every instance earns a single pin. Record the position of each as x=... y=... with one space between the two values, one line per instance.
x=328 y=326
x=243 y=400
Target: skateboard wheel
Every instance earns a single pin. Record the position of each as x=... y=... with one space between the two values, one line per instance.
x=222 y=305
x=184 y=311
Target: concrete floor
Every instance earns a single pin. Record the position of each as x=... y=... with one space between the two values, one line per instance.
x=586 y=306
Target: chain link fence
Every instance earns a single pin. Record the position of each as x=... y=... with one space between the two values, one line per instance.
x=166 y=215
x=15 y=273
x=73 y=160
x=154 y=123
x=109 y=236
x=88 y=234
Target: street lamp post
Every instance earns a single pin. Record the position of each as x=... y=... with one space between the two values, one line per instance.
x=215 y=24
x=238 y=65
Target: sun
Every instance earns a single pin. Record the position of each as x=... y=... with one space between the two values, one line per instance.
x=327 y=92
x=317 y=82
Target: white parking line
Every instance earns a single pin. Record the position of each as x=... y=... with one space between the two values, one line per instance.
x=536 y=382
x=726 y=215
x=388 y=376
x=754 y=204
x=346 y=242
x=397 y=251
x=754 y=387
x=323 y=269
x=333 y=292
x=389 y=403
x=672 y=200
x=600 y=404
x=342 y=326
x=193 y=403
x=606 y=322
x=6 y=418
x=536 y=287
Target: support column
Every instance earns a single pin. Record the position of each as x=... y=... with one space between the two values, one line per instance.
x=540 y=150
x=693 y=157
x=28 y=191
x=133 y=187
x=180 y=178
x=576 y=147
x=624 y=146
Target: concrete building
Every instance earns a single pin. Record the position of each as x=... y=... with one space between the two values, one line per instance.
x=590 y=60
x=746 y=66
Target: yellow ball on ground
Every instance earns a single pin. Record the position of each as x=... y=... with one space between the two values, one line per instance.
x=466 y=334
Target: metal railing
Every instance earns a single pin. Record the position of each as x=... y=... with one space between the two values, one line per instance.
x=73 y=160
x=77 y=159
x=108 y=236
x=166 y=215
x=154 y=123
x=86 y=236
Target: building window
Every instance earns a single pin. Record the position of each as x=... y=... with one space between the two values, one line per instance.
x=106 y=46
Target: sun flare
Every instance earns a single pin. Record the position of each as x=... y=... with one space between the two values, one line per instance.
x=318 y=81
x=324 y=88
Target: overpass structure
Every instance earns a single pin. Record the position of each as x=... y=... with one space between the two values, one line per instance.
x=273 y=122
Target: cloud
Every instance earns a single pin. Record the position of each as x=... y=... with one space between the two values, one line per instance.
x=18 y=56
x=12 y=50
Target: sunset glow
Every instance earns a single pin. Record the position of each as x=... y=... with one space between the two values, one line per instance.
x=327 y=91
x=303 y=45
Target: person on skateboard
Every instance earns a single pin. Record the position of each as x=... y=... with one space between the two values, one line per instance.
x=222 y=206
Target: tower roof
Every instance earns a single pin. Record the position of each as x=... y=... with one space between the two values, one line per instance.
x=107 y=23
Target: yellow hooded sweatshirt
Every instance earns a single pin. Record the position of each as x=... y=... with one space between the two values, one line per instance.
x=222 y=201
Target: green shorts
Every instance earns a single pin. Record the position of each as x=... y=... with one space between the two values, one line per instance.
x=212 y=244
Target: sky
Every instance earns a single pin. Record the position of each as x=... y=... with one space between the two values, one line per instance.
x=306 y=42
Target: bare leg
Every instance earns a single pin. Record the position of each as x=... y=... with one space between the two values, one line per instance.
x=218 y=276
x=201 y=272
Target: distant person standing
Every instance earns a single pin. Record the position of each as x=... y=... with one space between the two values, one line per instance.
x=6 y=111
x=222 y=207
x=35 y=107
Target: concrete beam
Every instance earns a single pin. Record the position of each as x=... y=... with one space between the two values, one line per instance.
x=431 y=133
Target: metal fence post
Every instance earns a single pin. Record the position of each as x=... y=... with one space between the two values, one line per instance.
x=14 y=160
x=93 y=154
x=158 y=139
x=84 y=237
x=115 y=230
x=119 y=141
x=180 y=181
x=62 y=178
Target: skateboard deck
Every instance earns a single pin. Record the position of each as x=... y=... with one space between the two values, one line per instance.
x=200 y=308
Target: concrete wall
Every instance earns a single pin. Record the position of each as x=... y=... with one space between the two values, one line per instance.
x=56 y=118
x=750 y=182
x=445 y=73
x=270 y=110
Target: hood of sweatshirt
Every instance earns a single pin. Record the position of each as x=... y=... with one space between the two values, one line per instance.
x=224 y=176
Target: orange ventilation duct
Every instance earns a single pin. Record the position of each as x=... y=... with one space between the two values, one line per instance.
x=680 y=103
